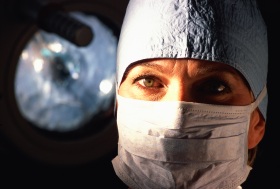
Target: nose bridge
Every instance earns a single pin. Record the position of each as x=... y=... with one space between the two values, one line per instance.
x=178 y=90
x=181 y=80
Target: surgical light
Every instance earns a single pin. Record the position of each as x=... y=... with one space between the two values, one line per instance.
x=59 y=86
x=57 y=80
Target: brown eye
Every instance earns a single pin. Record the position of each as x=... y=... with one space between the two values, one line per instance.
x=214 y=87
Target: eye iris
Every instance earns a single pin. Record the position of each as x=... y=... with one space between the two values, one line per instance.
x=148 y=82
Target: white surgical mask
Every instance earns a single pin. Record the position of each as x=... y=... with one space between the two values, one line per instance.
x=174 y=145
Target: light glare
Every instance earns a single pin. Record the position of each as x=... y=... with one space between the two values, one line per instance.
x=38 y=64
x=55 y=47
x=105 y=86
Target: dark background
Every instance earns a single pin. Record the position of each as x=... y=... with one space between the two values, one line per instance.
x=19 y=169
x=264 y=173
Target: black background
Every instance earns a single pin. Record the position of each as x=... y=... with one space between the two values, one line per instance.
x=264 y=173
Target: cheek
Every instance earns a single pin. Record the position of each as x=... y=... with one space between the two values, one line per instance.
x=126 y=90
x=243 y=96
x=123 y=90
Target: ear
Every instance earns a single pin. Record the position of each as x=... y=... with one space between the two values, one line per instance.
x=256 y=129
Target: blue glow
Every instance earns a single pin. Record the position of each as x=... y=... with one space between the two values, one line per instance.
x=60 y=86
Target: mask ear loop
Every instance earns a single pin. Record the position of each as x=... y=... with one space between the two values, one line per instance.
x=260 y=97
x=256 y=103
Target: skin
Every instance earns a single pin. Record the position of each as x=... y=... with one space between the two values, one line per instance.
x=192 y=81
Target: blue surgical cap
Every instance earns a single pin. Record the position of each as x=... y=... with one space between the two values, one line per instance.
x=228 y=31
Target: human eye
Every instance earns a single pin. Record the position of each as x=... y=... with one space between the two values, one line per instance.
x=214 y=87
x=147 y=82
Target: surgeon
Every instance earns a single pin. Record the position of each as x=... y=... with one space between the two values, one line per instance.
x=191 y=97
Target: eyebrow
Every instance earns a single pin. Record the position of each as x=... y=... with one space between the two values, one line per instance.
x=143 y=64
x=205 y=69
x=214 y=69
x=152 y=65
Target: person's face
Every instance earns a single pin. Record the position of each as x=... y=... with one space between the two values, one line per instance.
x=191 y=81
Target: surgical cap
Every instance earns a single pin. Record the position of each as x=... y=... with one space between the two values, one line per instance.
x=228 y=31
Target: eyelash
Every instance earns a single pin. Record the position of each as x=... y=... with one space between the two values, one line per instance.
x=143 y=76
